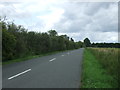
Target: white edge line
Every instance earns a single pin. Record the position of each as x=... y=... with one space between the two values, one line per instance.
x=52 y=59
x=19 y=74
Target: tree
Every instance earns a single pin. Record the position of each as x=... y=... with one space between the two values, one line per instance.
x=61 y=43
x=87 y=42
x=18 y=42
x=52 y=33
x=45 y=43
x=8 y=45
x=72 y=40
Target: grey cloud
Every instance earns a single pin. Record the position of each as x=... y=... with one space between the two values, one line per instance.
x=92 y=8
x=89 y=20
x=79 y=18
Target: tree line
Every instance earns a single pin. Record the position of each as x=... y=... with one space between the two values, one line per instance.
x=106 y=45
x=87 y=43
x=18 y=42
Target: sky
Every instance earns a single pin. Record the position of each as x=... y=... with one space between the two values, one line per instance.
x=97 y=21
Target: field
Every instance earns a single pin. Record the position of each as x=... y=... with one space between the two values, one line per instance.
x=100 y=68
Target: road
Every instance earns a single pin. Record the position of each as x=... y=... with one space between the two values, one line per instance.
x=61 y=70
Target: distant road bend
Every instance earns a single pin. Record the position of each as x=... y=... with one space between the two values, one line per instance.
x=61 y=70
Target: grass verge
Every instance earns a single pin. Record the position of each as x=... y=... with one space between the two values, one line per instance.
x=30 y=57
x=94 y=75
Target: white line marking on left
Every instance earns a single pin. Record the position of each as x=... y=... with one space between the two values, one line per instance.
x=52 y=59
x=19 y=74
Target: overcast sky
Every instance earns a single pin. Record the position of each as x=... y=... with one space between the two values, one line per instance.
x=96 y=20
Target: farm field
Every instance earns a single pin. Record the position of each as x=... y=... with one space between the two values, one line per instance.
x=100 y=68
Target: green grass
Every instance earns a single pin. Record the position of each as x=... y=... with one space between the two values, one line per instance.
x=108 y=57
x=94 y=75
x=30 y=57
x=20 y=59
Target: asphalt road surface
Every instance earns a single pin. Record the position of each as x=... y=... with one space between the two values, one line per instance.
x=61 y=70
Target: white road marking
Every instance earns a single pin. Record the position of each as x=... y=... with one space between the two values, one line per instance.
x=19 y=74
x=52 y=59
x=62 y=55
x=68 y=53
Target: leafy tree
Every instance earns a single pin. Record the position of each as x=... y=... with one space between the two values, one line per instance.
x=45 y=43
x=52 y=33
x=106 y=45
x=18 y=42
x=61 y=43
x=72 y=40
x=8 y=45
x=87 y=42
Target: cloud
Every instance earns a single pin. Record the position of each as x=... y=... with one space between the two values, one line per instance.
x=90 y=19
x=48 y=19
x=78 y=20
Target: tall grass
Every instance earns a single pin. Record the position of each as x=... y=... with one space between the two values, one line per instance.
x=108 y=57
x=93 y=74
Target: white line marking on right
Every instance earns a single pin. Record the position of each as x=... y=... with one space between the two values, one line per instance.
x=19 y=74
x=52 y=59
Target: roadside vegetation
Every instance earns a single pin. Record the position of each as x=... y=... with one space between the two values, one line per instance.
x=30 y=57
x=100 y=68
x=19 y=43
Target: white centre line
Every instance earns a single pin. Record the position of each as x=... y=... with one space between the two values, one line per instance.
x=68 y=53
x=19 y=74
x=52 y=59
